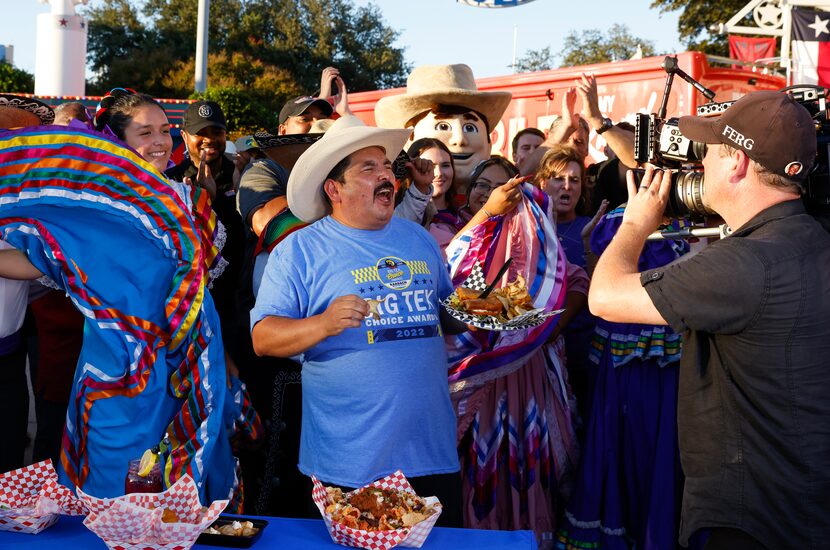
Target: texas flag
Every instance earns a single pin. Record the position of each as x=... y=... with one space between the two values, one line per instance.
x=811 y=47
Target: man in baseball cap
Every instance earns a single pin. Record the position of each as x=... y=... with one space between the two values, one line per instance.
x=299 y=113
x=204 y=132
x=753 y=309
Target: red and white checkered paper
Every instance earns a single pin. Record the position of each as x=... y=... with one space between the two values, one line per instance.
x=36 y=499
x=412 y=537
x=133 y=522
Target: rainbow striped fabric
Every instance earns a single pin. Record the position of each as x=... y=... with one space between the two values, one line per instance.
x=133 y=255
x=528 y=236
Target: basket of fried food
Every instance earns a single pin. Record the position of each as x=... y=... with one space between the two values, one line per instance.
x=382 y=515
x=233 y=531
x=170 y=520
x=507 y=308
x=31 y=499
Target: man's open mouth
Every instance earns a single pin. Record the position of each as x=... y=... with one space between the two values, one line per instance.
x=385 y=191
x=461 y=156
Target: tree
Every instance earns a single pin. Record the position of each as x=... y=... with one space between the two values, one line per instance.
x=591 y=46
x=14 y=80
x=698 y=20
x=150 y=46
x=536 y=60
x=243 y=87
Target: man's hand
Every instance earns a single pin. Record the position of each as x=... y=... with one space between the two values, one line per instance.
x=341 y=105
x=422 y=172
x=344 y=312
x=586 y=87
x=646 y=203
x=561 y=131
x=204 y=177
x=329 y=74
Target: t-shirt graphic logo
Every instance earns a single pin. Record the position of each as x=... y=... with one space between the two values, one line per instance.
x=394 y=273
x=205 y=111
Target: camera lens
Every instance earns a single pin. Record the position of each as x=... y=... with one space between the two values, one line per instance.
x=687 y=195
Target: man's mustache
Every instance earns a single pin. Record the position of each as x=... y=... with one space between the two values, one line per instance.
x=384 y=186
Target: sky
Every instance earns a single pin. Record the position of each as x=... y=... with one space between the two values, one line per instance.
x=444 y=31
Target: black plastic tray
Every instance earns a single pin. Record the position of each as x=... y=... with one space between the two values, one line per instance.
x=230 y=540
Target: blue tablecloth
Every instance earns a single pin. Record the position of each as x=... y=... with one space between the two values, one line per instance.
x=283 y=533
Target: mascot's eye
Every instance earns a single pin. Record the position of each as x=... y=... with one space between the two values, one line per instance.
x=470 y=128
x=443 y=127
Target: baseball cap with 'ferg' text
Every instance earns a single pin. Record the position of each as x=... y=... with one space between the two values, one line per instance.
x=769 y=126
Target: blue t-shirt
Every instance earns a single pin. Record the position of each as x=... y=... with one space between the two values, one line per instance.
x=375 y=398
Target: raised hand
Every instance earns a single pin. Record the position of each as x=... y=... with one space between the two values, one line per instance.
x=586 y=87
x=329 y=74
x=422 y=172
x=341 y=106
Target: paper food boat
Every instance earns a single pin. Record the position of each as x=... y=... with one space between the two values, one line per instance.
x=412 y=537
x=476 y=281
x=31 y=499
x=134 y=521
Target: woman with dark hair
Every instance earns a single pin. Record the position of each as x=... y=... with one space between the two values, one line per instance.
x=441 y=216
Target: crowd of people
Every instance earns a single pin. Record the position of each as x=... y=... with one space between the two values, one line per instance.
x=270 y=308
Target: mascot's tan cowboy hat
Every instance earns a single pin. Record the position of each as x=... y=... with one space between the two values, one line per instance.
x=347 y=135
x=439 y=84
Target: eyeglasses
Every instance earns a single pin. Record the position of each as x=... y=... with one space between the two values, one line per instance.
x=573 y=180
x=485 y=188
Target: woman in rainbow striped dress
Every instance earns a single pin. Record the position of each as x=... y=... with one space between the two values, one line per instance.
x=133 y=252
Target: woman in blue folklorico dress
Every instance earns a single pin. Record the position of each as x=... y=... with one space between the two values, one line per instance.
x=629 y=486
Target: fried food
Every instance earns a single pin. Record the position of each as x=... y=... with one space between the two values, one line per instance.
x=503 y=303
x=169 y=516
x=235 y=529
x=376 y=509
x=373 y=308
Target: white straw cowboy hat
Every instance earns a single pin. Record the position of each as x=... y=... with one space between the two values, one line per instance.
x=347 y=135
x=429 y=85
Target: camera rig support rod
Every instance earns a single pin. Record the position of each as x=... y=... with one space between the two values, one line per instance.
x=672 y=68
x=719 y=232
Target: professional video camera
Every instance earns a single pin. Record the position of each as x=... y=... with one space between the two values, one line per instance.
x=659 y=142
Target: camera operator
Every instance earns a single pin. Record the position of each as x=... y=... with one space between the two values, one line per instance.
x=754 y=310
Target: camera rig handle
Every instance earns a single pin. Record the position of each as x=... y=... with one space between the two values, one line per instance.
x=718 y=232
x=672 y=68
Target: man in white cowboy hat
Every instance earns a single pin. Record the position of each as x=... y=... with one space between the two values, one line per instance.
x=443 y=102
x=357 y=294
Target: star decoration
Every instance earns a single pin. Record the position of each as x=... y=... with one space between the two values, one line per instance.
x=820 y=26
x=362 y=290
x=63 y=22
x=769 y=14
x=371 y=288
